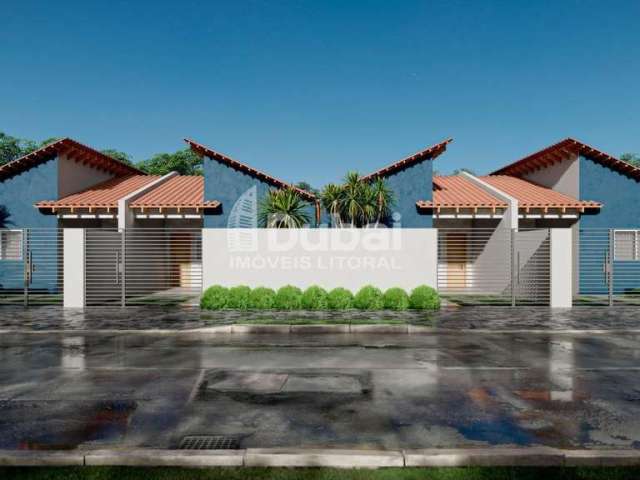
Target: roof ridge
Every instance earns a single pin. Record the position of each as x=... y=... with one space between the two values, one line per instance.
x=59 y=146
x=527 y=163
x=430 y=152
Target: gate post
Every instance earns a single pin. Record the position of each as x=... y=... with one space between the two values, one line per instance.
x=74 y=267
x=561 y=268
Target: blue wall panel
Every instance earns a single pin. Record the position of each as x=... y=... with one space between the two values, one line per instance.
x=410 y=185
x=17 y=195
x=226 y=185
x=620 y=196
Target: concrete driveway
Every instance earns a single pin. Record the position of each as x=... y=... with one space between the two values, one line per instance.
x=453 y=389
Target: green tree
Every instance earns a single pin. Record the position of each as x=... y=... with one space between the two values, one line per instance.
x=118 y=155
x=185 y=162
x=356 y=202
x=632 y=158
x=283 y=209
x=14 y=147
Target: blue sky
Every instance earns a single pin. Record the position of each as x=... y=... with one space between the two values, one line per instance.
x=309 y=89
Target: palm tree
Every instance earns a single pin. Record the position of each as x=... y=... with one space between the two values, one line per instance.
x=283 y=209
x=4 y=217
x=331 y=198
x=384 y=199
x=352 y=199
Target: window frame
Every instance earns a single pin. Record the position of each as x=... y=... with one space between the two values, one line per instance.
x=636 y=248
x=20 y=254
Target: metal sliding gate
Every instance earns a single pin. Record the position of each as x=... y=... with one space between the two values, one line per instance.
x=31 y=266
x=494 y=266
x=608 y=266
x=143 y=266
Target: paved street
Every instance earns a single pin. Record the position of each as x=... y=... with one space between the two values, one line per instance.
x=454 y=389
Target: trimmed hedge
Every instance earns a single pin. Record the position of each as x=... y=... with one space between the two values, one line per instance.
x=262 y=298
x=340 y=299
x=395 y=299
x=368 y=298
x=238 y=298
x=214 y=298
x=289 y=297
x=314 y=298
x=424 y=298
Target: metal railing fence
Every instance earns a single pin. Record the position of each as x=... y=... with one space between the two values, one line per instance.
x=494 y=266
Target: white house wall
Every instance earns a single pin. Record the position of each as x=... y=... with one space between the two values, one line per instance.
x=74 y=177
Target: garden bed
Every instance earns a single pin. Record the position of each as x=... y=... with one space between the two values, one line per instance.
x=315 y=298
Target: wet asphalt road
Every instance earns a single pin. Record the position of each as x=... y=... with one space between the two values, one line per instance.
x=61 y=391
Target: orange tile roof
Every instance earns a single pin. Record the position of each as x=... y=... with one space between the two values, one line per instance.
x=530 y=194
x=105 y=194
x=430 y=152
x=457 y=191
x=74 y=150
x=204 y=150
x=177 y=192
x=559 y=151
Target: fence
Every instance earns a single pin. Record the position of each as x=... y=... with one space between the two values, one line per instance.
x=474 y=266
x=30 y=266
x=608 y=267
x=143 y=266
x=495 y=266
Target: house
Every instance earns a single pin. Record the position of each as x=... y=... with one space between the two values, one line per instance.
x=491 y=229
x=69 y=185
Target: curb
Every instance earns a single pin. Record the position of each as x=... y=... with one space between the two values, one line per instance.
x=244 y=329
x=329 y=458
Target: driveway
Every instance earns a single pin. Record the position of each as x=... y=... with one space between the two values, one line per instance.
x=447 y=389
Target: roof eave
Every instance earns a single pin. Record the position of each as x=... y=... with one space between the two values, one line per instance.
x=204 y=150
x=431 y=153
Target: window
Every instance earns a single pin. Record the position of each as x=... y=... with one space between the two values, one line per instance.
x=10 y=245
x=625 y=245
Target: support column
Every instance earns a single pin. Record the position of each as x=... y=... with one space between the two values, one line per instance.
x=561 y=269
x=74 y=267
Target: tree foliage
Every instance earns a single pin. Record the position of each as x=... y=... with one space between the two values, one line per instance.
x=14 y=147
x=357 y=203
x=118 y=155
x=185 y=162
x=632 y=158
x=283 y=209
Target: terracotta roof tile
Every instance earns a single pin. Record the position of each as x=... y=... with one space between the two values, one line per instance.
x=104 y=195
x=177 y=192
x=459 y=192
x=530 y=194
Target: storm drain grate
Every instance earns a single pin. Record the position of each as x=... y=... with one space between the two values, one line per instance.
x=209 y=442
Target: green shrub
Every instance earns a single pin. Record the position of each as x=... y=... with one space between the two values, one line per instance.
x=339 y=299
x=368 y=298
x=238 y=298
x=395 y=299
x=214 y=298
x=424 y=298
x=288 y=298
x=314 y=298
x=262 y=298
